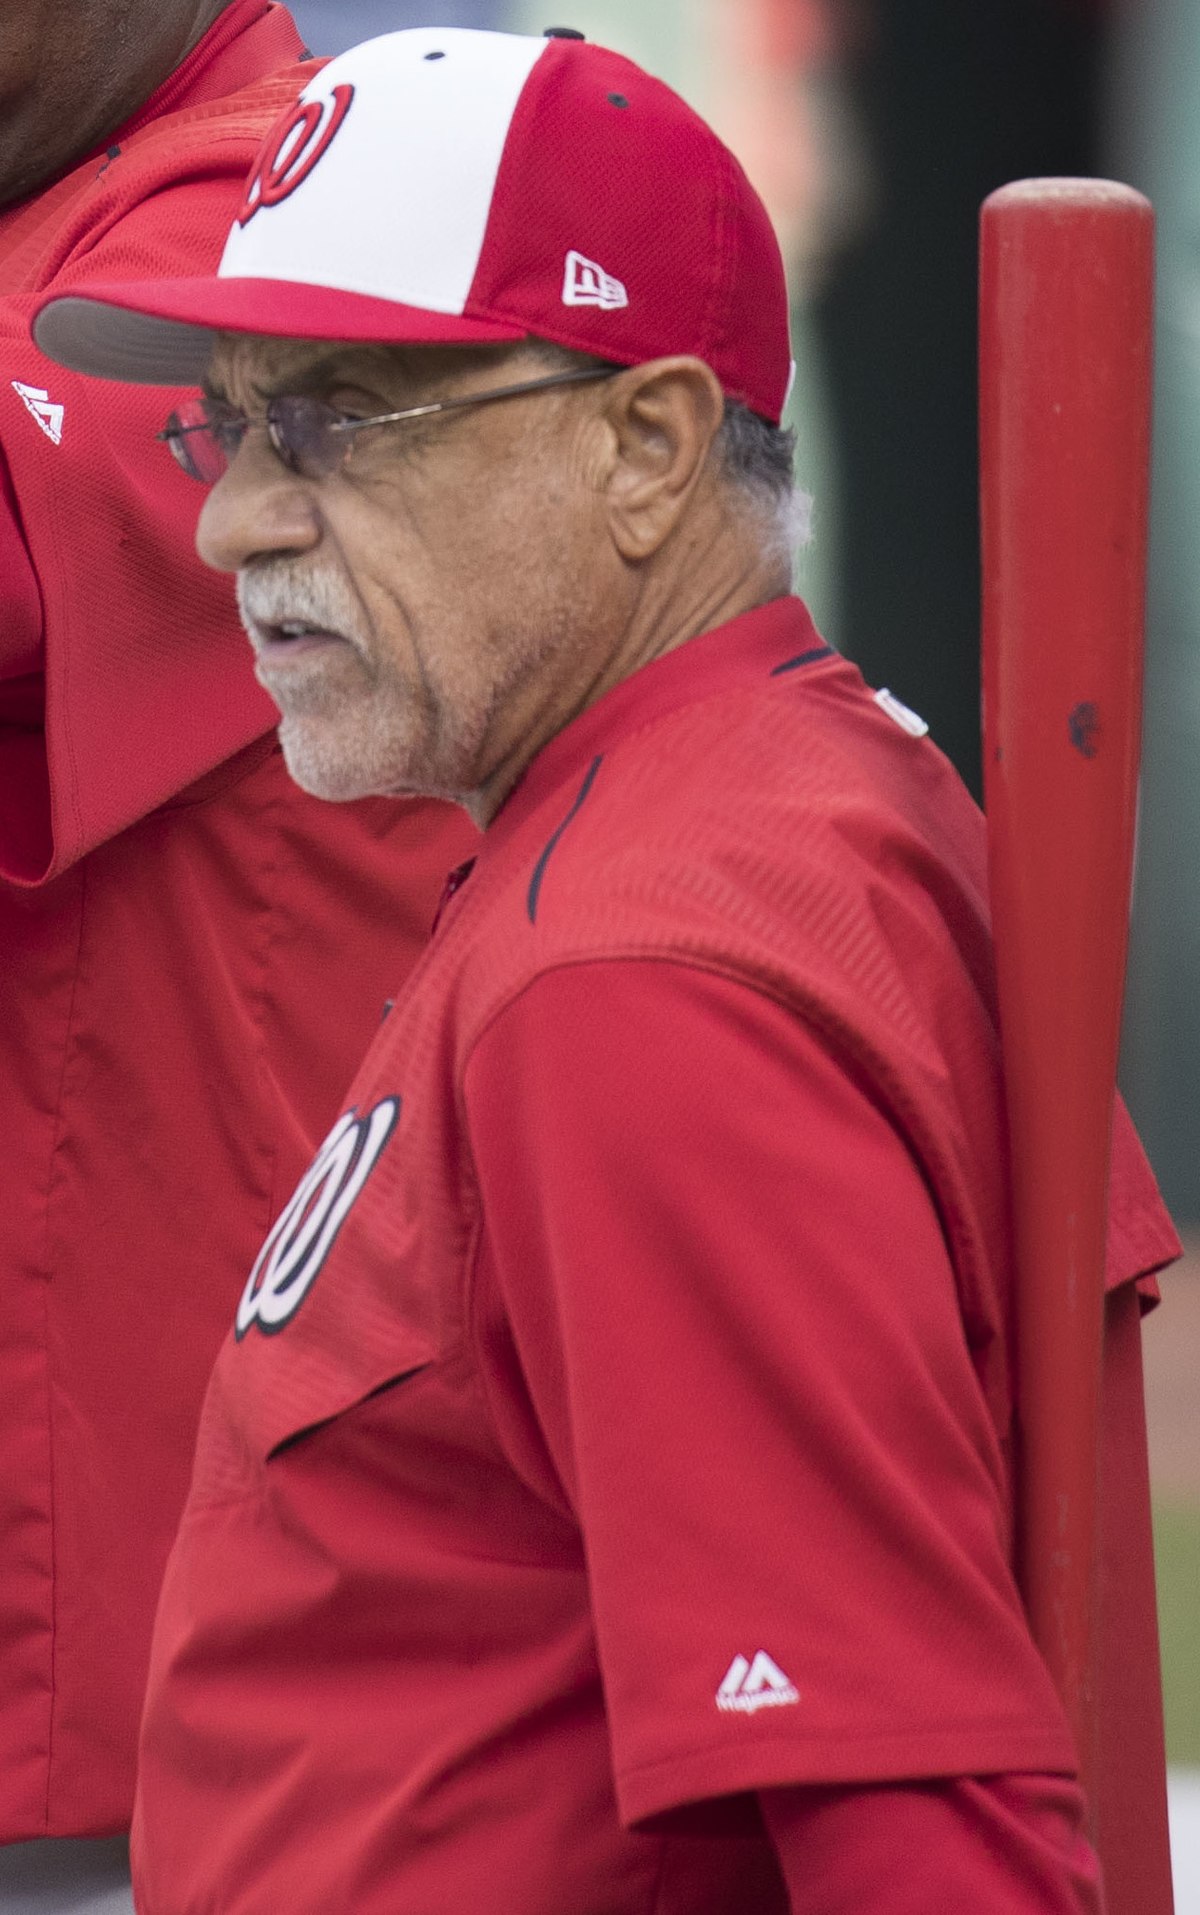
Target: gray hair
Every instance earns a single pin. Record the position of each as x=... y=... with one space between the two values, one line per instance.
x=757 y=461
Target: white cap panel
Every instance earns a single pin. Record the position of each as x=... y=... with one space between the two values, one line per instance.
x=412 y=229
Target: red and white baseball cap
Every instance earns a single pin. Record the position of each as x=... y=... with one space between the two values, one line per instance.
x=443 y=186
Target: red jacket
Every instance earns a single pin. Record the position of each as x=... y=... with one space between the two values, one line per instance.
x=193 y=954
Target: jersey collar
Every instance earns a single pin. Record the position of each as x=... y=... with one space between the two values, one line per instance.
x=747 y=649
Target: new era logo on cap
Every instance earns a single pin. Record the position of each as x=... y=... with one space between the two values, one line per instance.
x=586 y=284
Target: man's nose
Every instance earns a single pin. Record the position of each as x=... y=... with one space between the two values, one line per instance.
x=256 y=510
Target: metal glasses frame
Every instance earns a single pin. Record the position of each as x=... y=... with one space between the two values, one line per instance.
x=334 y=425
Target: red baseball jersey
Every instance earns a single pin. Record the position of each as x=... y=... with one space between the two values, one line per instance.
x=615 y=1420
x=193 y=954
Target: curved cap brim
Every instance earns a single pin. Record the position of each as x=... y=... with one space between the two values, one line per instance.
x=160 y=333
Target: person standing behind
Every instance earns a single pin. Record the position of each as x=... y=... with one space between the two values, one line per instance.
x=193 y=953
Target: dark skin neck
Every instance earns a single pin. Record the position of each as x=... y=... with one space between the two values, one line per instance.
x=73 y=71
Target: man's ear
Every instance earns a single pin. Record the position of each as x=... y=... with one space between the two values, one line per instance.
x=663 y=417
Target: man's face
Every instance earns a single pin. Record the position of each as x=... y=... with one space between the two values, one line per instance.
x=71 y=71
x=431 y=614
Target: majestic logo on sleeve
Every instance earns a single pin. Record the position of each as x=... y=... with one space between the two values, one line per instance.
x=290 y=1260
x=292 y=149
x=748 y=1687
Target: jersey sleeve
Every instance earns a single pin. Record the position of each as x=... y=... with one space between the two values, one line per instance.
x=146 y=681
x=732 y=1302
x=20 y=606
x=1142 y=1240
x=997 y=1845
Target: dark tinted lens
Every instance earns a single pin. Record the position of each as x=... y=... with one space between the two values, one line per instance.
x=306 y=434
x=204 y=437
x=172 y=435
x=226 y=430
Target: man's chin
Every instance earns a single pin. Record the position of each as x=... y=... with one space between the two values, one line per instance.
x=323 y=774
x=328 y=763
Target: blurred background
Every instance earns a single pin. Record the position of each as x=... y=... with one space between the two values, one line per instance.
x=873 y=129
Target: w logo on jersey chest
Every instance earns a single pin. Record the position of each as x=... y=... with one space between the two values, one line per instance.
x=290 y=1260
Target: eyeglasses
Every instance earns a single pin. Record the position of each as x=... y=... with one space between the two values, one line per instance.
x=309 y=437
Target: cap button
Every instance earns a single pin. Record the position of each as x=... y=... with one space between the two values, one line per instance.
x=563 y=33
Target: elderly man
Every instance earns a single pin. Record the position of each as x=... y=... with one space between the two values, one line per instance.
x=193 y=953
x=602 y=1499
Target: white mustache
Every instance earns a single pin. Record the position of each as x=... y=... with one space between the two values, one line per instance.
x=274 y=595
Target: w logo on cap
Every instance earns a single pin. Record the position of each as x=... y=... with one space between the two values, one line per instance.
x=293 y=149
x=586 y=284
